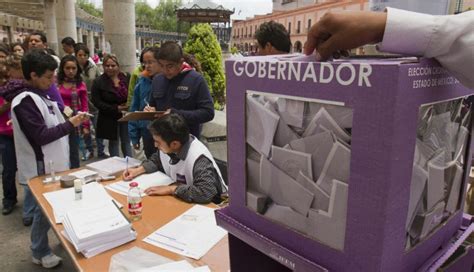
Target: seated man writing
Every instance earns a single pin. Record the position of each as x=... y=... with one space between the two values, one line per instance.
x=185 y=159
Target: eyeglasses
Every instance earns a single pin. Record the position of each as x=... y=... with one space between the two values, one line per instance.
x=149 y=62
x=169 y=66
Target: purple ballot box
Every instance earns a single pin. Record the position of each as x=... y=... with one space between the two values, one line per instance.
x=355 y=164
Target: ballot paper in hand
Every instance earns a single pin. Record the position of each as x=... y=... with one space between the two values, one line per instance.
x=144 y=181
x=191 y=234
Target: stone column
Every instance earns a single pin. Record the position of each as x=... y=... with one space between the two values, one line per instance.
x=102 y=41
x=119 y=26
x=139 y=43
x=79 y=35
x=66 y=20
x=50 y=24
x=90 y=42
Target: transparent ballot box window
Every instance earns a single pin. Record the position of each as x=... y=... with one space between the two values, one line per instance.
x=439 y=163
x=298 y=159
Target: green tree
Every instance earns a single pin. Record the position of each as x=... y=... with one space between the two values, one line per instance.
x=162 y=17
x=89 y=8
x=166 y=15
x=144 y=14
x=203 y=44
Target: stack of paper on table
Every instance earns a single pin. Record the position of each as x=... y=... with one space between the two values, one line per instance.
x=191 y=234
x=176 y=266
x=63 y=200
x=113 y=166
x=96 y=229
x=85 y=174
x=144 y=181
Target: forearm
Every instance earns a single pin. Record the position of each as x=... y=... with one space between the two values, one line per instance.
x=153 y=164
x=32 y=124
x=199 y=192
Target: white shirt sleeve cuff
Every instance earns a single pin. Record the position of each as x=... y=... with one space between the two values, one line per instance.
x=407 y=32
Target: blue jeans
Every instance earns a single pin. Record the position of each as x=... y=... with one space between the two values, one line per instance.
x=122 y=134
x=99 y=142
x=29 y=203
x=39 y=229
x=7 y=147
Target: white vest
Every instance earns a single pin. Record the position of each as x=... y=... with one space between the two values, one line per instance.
x=56 y=151
x=185 y=168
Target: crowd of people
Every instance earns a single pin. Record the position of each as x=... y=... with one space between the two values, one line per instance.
x=52 y=110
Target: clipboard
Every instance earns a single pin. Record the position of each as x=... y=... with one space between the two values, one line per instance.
x=140 y=115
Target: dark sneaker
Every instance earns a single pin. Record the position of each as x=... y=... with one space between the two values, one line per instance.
x=8 y=209
x=103 y=156
x=27 y=221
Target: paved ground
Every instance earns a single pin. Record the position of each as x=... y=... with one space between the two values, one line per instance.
x=15 y=242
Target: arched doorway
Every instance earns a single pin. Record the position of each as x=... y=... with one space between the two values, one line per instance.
x=298 y=47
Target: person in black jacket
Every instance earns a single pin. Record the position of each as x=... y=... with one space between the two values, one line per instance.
x=109 y=96
x=180 y=89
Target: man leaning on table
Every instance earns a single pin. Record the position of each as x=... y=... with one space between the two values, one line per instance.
x=185 y=159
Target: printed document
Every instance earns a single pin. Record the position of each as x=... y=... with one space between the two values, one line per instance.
x=144 y=181
x=191 y=234
x=114 y=165
x=63 y=200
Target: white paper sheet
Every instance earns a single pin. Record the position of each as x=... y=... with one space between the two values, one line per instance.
x=292 y=162
x=191 y=234
x=84 y=174
x=261 y=126
x=97 y=228
x=172 y=266
x=144 y=181
x=323 y=121
x=114 y=165
x=63 y=200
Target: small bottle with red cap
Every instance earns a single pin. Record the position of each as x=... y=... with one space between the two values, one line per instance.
x=134 y=202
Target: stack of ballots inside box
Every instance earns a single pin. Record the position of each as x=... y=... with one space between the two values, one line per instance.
x=442 y=138
x=298 y=164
